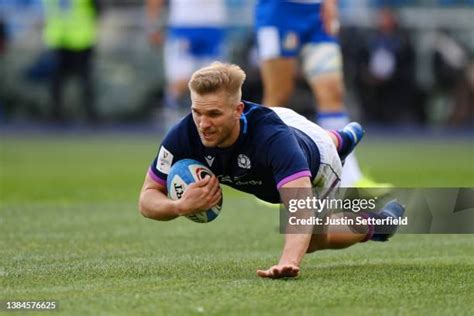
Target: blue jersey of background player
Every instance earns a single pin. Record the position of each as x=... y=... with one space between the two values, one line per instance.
x=294 y=33
x=267 y=154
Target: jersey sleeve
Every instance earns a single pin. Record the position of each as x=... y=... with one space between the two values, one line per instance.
x=169 y=152
x=286 y=158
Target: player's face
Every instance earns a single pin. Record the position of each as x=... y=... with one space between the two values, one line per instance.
x=216 y=118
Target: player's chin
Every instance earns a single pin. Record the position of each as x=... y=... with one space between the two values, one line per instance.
x=208 y=143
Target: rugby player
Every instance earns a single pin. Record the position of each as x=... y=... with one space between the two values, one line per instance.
x=257 y=150
x=289 y=30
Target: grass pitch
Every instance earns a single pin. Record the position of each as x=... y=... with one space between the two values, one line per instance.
x=70 y=231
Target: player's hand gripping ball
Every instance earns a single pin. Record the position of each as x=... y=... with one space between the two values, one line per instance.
x=183 y=173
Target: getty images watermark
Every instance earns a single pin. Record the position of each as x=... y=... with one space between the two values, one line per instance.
x=433 y=210
x=330 y=205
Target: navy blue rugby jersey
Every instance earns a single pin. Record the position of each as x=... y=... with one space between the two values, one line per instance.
x=266 y=155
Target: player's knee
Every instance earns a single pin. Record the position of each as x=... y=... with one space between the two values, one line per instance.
x=311 y=249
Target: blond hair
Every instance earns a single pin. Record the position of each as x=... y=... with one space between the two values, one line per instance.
x=218 y=76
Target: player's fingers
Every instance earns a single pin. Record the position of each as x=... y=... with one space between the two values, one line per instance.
x=216 y=199
x=201 y=183
x=263 y=273
x=290 y=271
x=215 y=189
x=212 y=188
x=210 y=182
x=279 y=272
x=295 y=271
x=207 y=184
x=275 y=273
x=285 y=271
x=266 y=274
x=213 y=183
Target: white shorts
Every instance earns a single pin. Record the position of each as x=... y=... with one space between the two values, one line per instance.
x=188 y=49
x=328 y=178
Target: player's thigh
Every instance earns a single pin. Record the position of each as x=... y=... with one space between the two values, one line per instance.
x=278 y=75
x=278 y=53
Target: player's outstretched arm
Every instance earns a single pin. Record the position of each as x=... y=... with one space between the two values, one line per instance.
x=296 y=245
x=199 y=196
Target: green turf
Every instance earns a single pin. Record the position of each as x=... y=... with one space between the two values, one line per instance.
x=70 y=231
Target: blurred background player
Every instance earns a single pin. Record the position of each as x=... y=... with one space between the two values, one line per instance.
x=454 y=78
x=289 y=29
x=195 y=37
x=130 y=79
x=386 y=79
x=70 y=31
x=3 y=36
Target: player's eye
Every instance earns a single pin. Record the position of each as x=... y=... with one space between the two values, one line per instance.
x=214 y=114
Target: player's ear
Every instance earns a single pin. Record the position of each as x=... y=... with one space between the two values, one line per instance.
x=239 y=110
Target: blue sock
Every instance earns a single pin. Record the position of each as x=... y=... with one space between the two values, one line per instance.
x=345 y=142
x=332 y=120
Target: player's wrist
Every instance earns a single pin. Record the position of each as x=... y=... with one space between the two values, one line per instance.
x=179 y=208
x=289 y=261
x=182 y=208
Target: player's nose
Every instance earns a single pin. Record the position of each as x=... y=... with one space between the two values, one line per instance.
x=204 y=123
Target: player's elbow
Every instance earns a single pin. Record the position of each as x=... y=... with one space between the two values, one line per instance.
x=143 y=209
x=147 y=212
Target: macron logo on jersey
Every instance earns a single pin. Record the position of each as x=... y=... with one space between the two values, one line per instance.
x=210 y=160
x=164 y=161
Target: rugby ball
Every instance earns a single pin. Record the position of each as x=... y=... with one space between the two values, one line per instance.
x=183 y=173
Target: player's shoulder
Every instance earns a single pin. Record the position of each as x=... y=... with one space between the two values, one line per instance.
x=257 y=114
x=262 y=122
